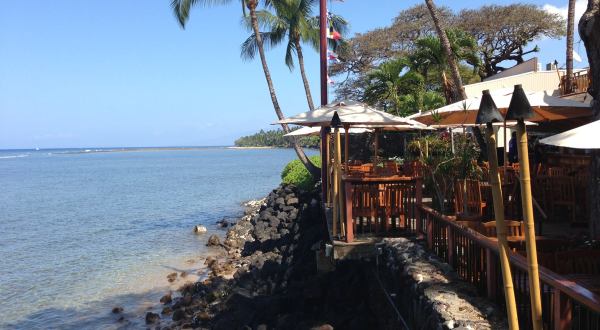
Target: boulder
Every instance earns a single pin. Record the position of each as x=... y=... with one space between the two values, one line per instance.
x=172 y=277
x=117 y=310
x=199 y=229
x=152 y=318
x=166 y=299
x=179 y=314
x=213 y=240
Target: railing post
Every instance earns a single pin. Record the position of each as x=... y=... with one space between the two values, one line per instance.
x=562 y=310
x=348 y=205
x=418 y=197
x=429 y=232
x=451 y=248
x=491 y=273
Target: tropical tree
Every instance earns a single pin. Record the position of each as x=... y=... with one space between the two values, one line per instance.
x=429 y=55
x=291 y=22
x=570 y=32
x=457 y=88
x=589 y=30
x=458 y=92
x=182 y=9
x=399 y=89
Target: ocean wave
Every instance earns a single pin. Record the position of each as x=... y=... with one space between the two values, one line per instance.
x=14 y=156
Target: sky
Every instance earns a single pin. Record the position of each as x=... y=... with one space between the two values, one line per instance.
x=108 y=73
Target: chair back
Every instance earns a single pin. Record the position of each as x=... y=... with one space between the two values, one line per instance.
x=563 y=190
x=471 y=190
x=557 y=171
x=513 y=228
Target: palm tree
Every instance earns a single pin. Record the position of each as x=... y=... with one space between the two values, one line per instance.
x=395 y=86
x=458 y=92
x=182 y=9
x=570 y=30
x=429 y=54
x=292 y=20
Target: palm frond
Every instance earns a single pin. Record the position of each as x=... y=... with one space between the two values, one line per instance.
x=181 y=8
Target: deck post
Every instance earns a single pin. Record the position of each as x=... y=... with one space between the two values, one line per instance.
x=418 y=199
x=429 y=232
x=562 y=310
x=348 y=204
x=491 y=271
x=451 y=247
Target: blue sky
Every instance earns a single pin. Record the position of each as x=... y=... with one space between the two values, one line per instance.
x=102 y=73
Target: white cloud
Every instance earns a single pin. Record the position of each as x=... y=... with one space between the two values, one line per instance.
x=580 y=6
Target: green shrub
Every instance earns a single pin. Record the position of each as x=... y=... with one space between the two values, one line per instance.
x=295 y=173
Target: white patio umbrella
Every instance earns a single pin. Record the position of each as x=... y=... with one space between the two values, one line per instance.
x=582 y=137
x=351 y=114
x=306 y=131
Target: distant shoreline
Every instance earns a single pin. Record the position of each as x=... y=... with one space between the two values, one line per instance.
x=265 y=147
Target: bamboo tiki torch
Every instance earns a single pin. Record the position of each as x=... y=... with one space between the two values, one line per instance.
x=487 y=114
x=336 y=124
x=520 y=109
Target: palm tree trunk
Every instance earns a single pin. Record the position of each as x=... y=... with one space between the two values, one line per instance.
x=312 y=169
x=309 y=98
x=570 y=30
x=589 y=30
x=459 y=92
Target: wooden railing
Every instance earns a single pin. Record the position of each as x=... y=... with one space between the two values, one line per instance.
x=580 y=82
x=565 y=305
x=384 y=203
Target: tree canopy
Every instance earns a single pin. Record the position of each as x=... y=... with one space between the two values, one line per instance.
x=501 y=35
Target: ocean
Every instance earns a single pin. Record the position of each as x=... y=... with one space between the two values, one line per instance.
x=85 y=230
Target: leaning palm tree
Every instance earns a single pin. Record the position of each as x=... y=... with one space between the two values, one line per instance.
x=459 y=92
x=182 y=9
x=570 y=30
x=429 y=54
x=291 y=22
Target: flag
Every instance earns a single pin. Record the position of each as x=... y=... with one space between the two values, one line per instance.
x=576 y=56
x=330 y=81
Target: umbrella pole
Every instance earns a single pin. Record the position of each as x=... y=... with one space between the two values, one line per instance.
x=530 y=244
x=338 y=166
x=346 y=143
x=505 y=152
x=329 y=168
x=376 y=147
x=452 y=140
x=509 y=294
x=335 y=182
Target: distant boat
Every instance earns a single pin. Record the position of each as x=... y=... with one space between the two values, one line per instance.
x=37 y=149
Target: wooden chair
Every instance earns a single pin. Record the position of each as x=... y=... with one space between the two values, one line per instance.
x=470 y=189
x=513 y=228
x=557 y=171
x=563 y=196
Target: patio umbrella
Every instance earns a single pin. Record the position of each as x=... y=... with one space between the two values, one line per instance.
x=351 y=114
x=545 y=108
x=582 y=137
x=306 y=131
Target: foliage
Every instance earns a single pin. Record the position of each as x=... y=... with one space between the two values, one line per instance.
x=501 y=33
x=441 y=166
x=275 y=138
x=504 y=32
x=295 y=173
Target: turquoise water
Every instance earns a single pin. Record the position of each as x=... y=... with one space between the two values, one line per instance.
x=82 y=232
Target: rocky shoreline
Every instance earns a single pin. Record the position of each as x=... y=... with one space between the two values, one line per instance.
x=264 y=275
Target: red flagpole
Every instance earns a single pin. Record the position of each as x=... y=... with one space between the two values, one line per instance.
x=323 y=62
